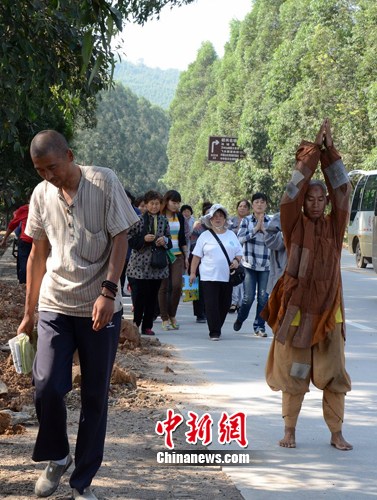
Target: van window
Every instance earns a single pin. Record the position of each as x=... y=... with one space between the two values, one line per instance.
x=369 y=194
x=356 y=198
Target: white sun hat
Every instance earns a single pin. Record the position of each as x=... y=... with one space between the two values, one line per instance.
x=215 y=208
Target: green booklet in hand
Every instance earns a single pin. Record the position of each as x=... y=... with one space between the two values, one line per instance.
x=23 y=349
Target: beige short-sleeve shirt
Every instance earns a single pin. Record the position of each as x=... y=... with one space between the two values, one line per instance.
x=80 y=236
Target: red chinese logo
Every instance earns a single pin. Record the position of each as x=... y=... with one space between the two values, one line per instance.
x=230 y=428
x=200 y=428
x=168 y=426
x=233 y=428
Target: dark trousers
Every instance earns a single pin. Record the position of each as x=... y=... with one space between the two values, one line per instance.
x=133 y=285
x=217 y=300
x=23 y=251
x=145 y=298
x=198 y=305
x=59 y=336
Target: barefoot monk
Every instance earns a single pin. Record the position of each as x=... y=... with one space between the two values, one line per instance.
x=305 y=310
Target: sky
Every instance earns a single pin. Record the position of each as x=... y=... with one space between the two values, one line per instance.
x=174 y=40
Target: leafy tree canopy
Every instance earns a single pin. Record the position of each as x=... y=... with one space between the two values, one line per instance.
x=288 y=65
x=54 y=58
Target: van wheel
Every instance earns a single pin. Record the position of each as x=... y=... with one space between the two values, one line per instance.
x=361 y=262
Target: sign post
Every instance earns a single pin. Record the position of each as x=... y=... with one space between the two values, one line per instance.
x=224 y=149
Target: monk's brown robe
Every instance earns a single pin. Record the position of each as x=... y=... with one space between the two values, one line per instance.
x=311 y=282
x=311 y=285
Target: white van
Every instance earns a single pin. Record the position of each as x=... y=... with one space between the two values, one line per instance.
x=362 y=228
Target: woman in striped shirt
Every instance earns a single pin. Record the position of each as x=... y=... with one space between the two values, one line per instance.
x=171 y=288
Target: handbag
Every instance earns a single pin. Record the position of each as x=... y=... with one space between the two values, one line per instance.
x=158 y=258
x=236 y=276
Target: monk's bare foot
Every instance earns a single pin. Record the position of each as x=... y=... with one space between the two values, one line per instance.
x=289 y=439
x=338 y=441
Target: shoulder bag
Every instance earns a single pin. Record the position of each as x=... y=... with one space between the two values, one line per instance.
x=236 y=276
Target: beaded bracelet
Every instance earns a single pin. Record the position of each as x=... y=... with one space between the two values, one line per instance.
x=109 y=285
x=107 y=296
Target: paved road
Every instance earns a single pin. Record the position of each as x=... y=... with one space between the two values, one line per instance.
x=234 y=368
x=8 y=265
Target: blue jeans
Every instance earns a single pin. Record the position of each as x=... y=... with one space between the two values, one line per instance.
x=237 y=295
x=254 y=281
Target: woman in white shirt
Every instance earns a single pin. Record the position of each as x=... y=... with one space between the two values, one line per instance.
x=214 y=268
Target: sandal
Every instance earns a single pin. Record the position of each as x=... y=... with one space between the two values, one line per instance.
x=233 y=308
x=166 y=326
x=173 y=324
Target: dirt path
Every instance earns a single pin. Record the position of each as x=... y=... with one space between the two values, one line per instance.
x=130 y=469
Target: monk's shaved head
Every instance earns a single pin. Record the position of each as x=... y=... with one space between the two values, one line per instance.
x=46 y=142
x=321 y=184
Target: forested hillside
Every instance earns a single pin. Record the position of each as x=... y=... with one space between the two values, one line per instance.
x=130 y=137
x=287 y=66
x=155 y=84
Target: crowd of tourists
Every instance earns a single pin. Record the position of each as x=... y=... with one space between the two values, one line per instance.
x=196 y=247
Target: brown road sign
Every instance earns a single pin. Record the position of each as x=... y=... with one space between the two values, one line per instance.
x=224 y=149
